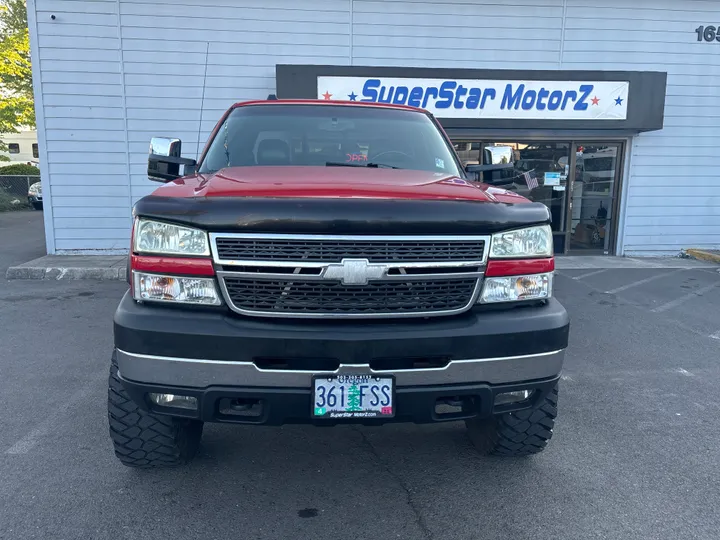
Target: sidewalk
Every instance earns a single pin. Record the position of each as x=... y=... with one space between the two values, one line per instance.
x=114 y=267
x=98 y=267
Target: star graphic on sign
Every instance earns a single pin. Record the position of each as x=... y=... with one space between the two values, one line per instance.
x=618 y=100
x=595 y=100
x=352 y=96
x=327 y=95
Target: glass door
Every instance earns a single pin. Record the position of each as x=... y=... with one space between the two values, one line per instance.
x=537 y=170
x=593 y=203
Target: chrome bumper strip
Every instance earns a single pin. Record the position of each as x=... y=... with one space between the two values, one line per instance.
x=200 y=373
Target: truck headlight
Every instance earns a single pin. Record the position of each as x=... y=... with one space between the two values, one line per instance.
x=35 y=189
x=168 y=239
x=522 y=243
x=516 y=288
x=188 y=290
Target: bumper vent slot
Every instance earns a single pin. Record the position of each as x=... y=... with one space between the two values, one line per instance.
x=297 y=364
x=398 y=364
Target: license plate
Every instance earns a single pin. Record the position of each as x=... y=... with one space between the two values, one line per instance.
x=353 y=396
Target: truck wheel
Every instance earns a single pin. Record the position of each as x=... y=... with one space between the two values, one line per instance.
x=515 y=434
x=145 y=440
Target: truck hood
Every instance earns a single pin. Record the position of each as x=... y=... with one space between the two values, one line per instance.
x=334 y=182
x=338 y=200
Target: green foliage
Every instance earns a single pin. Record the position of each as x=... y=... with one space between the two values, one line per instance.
x=16 y=94
x=19 y=169
x=14 y=18
x=10 y=202
x=16 y=111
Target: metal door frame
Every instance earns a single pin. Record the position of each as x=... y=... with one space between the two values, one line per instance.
x=615 y=196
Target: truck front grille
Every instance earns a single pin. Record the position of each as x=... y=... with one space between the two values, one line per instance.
x=407 y=250
x=349 y=277
x=379 y=298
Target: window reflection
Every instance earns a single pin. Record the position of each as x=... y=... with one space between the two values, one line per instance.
x=538 y=171
x=593 y=196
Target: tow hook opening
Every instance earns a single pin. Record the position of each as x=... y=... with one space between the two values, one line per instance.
x=454 y=407
x=246 y=407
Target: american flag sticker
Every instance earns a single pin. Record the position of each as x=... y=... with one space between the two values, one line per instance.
x=530 y=179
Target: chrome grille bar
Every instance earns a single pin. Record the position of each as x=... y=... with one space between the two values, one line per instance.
x=289 y=248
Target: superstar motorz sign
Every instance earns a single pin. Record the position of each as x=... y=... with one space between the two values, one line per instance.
x=484 y=98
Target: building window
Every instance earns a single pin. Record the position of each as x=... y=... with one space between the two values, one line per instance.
x=14 y=148
x=36 y=152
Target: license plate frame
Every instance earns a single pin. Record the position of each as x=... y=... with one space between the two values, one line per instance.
x=347 y=379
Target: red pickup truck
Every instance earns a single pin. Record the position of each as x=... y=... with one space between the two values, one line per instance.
x=332 y=262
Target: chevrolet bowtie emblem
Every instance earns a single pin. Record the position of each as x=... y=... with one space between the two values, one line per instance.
x=355 y=271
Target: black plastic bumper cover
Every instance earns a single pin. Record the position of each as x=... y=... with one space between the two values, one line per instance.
x=217 y=335
x=293 y=405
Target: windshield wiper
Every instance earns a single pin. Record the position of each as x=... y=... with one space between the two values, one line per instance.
x=350 y=164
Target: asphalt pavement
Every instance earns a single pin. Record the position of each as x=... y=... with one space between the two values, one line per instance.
x=635 y=453
x=22 y=237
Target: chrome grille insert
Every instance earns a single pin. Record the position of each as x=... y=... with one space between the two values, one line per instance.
x=319 y=251
x=327 y=249
x=349 y=276
x=378 y=298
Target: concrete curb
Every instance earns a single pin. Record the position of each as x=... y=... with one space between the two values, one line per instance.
x=100 y=274
x=704 y=255
x=72 y=267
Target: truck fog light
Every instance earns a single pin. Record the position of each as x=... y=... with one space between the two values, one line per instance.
x=512 y=397
x=174 y=400
x=188 y=290
x=516 y=288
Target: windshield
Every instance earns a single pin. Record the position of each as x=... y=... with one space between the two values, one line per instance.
x=326 y=135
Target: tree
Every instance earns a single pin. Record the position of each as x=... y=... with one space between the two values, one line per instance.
x=353 y=403
x=16 y=93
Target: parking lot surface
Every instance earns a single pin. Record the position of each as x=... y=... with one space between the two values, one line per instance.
x=22 y=237
x=634 y=455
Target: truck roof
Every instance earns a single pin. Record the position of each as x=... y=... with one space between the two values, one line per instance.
x=327 y=102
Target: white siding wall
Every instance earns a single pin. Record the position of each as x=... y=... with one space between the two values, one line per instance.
x=672 y=196
x=512 y=34
x=115 y=72
x=83 y=152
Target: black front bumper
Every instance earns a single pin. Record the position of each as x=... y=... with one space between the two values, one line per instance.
x=218 y=335
x=213 y=355
x=278 y=406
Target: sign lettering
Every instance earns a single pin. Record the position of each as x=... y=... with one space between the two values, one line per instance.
x=506 y=99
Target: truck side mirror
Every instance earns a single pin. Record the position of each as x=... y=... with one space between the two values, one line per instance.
x=164 y=160
x=473 y=171
x=484 y=173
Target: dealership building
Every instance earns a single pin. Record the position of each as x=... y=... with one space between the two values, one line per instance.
x=607 y=112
